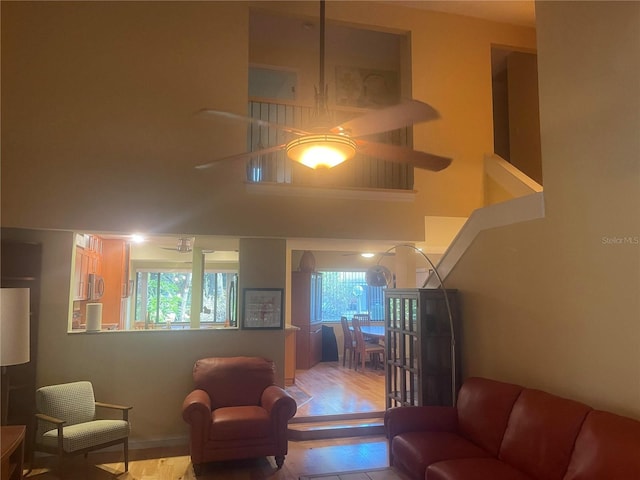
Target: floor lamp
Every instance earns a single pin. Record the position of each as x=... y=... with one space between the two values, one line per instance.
x=14 y=336
x=380 y=276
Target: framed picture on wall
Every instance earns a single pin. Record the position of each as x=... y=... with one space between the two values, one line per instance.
x=360 y=87
x=263 y=308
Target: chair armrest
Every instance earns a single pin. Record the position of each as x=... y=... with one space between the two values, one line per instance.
x=278 y=402
x=399 y=420
x=196 y=408
x=124 y=408
x=196 y=411
x=50 y=419
x=59 y=426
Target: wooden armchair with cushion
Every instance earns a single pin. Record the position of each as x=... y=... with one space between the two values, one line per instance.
x=67 y=423
x=236 y=411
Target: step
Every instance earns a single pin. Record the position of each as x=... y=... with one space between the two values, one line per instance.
x=336 y=426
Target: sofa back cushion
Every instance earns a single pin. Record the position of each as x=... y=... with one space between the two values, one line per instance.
x=541 y=434
x=608 y=446
x=483 y=408
x=233 y=381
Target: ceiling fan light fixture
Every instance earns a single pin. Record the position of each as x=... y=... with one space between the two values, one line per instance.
x=321 y=150
x=184 y=245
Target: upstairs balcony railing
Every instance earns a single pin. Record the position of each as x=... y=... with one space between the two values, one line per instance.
x=362 y=172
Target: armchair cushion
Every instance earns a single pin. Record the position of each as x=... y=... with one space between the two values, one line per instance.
x=231 y=423
x=244 y=381
x=72 y=402
x=87 y=434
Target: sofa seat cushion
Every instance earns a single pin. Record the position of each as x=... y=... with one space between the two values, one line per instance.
x=474 y=469
x=230 y=423
x=414 y=451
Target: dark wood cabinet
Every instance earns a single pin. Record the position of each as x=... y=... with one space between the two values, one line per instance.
x=418 y=347
x=306 y=314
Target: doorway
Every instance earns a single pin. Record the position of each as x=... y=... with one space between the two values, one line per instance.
x=516 y=118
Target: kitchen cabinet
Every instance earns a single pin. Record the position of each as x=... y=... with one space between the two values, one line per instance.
x=418 y=347
x=88 y=261
x=115 y=273
x=306 y=314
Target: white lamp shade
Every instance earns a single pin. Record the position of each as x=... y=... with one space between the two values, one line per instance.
x=14 y=326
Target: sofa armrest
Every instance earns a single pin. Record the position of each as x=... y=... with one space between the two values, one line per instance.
x=278 y=403
x=399 y=420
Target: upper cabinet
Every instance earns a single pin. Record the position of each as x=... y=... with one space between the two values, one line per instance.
x=88 y=262
x=101 y=275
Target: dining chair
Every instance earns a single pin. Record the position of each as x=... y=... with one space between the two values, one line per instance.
x=364 y=348
x=349 y=342
x=363 y=318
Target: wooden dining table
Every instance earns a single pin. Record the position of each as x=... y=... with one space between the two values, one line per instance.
x=373 y=331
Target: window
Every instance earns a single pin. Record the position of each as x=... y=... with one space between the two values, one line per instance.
x=347 y=293
x=164 y=296
x=219 y=298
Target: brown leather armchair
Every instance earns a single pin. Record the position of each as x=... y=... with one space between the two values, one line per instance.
x=236 y=411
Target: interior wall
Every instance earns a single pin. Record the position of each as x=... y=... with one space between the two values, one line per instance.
x=117 y=362
x=99 y=134
x=553 y=303
x=110 y=138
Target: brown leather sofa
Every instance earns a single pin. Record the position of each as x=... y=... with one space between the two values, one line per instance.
x=236 y=411
x=501 y=431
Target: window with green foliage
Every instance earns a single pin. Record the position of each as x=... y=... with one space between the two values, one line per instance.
x=347 y=293
x=164 y=297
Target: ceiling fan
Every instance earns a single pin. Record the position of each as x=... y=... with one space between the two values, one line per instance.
x=324 y=145
x=185 y=245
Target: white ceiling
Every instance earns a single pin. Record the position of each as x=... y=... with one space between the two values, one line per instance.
x=516 y=12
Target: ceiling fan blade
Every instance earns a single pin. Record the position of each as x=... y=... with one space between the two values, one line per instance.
x=390 y=118
x=398 y=154
x=255 y=121
x=242 y=156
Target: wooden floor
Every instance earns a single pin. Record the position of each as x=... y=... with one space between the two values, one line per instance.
x=331 y=389
x=308 y=457
x=335 y=390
